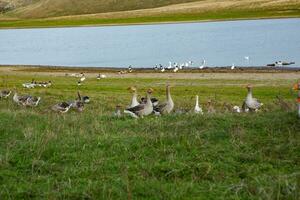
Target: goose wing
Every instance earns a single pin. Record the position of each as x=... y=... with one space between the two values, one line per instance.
x=160 y=108
x=137 y=108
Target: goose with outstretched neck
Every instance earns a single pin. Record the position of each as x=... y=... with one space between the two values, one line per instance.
x=134 y=102
x=142 y=109
x=168 y=106
x=198 y=109
x=251 y=103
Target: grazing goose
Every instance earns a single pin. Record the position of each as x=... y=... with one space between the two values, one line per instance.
x=198 y=109
x=62 y=107
x=210 y=107
x=297 y=87
x=32 y=101
x=166 y=107
x=20 y=100
x=26 y=100
x=141 y=110
x=4 y=94
x=251 y=103
x=134 y=101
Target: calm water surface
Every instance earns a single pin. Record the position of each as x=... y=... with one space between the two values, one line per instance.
x=219 y=43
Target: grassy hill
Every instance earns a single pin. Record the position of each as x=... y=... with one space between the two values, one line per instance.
x=94 y=12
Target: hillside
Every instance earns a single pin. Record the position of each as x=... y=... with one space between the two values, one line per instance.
x=54 y=8
x=36 y=13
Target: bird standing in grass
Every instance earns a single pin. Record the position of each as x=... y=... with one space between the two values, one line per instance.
x=141 y=110
x=198 y=109
x=167 y=107
x=134 y=102
x=251 y=103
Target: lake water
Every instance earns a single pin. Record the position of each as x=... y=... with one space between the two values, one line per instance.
x=219 y=43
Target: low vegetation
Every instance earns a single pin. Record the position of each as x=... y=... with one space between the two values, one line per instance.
x=94 y=155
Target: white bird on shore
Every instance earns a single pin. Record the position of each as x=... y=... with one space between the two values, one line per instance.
x=170 y=65
x=175 y=69
x=232 y=66
x=202 y=64
x=198 y=109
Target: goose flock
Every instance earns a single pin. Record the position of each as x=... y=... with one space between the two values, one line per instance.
x=146 y=105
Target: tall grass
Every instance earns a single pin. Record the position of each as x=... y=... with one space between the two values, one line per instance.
x=94 y=155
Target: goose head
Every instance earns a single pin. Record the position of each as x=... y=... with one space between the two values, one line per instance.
x=150 y=91
x=249 y=87
x=132 y=89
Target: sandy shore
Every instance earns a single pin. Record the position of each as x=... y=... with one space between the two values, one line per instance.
x=212 y=73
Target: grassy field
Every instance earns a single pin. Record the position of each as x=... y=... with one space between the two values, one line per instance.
x=62 y=13
x=94 y=155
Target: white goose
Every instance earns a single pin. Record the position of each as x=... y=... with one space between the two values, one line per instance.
x=166 y=107
x=4 y=94
x=198 y=109
x=251 y=103
x=134 y=102
x=232 y=66
x=203 y=64
x=141 y=110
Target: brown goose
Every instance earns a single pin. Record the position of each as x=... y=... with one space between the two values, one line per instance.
x=4 y=93
x=167 y=107
x=62 y=107
x=210 y=107
x=77 y=104
x=251 y=103
x=141 y=109
x=26 y=100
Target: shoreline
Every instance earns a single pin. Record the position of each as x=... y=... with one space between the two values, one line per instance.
x=138 y=23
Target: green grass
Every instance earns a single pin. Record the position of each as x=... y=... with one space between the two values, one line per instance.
x=93 y=155
x=231 y=13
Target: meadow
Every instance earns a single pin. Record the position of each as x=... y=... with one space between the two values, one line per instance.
x=95 y=155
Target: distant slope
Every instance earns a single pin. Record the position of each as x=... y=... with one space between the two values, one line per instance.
x=54 y=8
x=43 y=13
